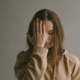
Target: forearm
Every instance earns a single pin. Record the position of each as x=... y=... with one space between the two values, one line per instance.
x=36 y=67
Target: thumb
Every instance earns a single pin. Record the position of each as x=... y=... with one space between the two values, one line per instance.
x=29 y=37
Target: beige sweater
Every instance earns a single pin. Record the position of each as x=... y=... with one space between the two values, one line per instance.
x=38 y=68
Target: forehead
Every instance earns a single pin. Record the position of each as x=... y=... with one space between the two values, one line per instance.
x=48 y=25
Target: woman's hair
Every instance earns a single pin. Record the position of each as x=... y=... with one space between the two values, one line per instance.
x=55 y=52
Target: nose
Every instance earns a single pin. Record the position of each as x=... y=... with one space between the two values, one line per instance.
x=48 y=38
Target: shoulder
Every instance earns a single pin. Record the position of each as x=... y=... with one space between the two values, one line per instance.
x=74 y=64
x=71 y=59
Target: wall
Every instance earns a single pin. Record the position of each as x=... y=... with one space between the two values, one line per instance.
x=15 y=16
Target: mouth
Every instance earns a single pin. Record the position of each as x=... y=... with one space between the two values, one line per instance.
x=47 y=44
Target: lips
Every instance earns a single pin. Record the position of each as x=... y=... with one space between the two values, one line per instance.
x=46 y=43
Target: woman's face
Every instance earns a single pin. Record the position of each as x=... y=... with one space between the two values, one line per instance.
x=50 y=33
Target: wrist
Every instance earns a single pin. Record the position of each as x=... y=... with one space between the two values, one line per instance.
x=40 y=45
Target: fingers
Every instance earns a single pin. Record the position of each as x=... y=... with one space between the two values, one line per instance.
x=34 y=28
x=43 y=28
x=40 y=27
x=38 y=37
x=37 y=25
x=29 y=37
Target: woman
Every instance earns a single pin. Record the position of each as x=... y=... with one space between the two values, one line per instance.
x=46 y=59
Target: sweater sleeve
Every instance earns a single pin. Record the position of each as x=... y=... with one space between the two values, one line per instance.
x=35 y=68
x=76 y=70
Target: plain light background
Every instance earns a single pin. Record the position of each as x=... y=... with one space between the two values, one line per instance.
x=15 y=16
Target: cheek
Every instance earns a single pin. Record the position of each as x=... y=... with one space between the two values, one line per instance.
x=52 y=39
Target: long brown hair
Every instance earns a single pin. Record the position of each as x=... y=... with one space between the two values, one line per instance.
x=55 y=52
